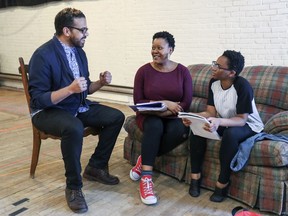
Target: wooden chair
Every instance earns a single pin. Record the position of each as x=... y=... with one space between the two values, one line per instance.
x=37 y=134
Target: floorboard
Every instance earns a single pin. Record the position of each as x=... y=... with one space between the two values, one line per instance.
x=44 y=195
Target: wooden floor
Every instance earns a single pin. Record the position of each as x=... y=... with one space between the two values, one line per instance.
x=44 y=195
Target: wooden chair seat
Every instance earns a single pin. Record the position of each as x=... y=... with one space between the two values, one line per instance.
x=87 y=131
x=37 y=134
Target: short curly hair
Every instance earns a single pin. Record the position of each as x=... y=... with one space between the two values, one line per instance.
x=167 y=36
x=236 y=60
x=66 y=18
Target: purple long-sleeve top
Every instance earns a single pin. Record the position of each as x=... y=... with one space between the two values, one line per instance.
x=152 y=85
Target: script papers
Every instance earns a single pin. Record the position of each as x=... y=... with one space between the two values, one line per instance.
x=150 y=106
x=197 y=125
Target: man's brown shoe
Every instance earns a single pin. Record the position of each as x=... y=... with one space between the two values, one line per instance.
x=100 y=175
x=76 y=201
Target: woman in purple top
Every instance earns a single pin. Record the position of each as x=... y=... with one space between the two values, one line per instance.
x=169 y=82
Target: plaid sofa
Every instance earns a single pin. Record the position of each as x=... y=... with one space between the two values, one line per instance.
x=263 y=182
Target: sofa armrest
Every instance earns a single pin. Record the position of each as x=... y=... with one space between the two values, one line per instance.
x=277 y=124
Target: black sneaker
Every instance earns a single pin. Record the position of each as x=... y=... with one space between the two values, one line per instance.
x=194 y=189
x=76 y=201
x=219 y=194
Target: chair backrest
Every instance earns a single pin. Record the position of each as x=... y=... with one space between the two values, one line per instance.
x=23 y=70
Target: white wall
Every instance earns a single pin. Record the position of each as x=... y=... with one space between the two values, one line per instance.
x=121 y=31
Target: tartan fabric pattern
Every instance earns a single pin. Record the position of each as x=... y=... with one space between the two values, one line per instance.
x=201 y=74
x=198 y=105
x=127 y=153
x=269 y=153
x=271 y=195
x=263 y=182
x=264 y=153
x=272 y=173
x=171 y=165
x=132 y=129
x=277 y=123
x=245 y=186
x=270 y=84
x=267 y=112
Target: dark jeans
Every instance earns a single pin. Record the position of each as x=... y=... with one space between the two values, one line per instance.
x=161 y=135
x=60 y=123
x=231 y=138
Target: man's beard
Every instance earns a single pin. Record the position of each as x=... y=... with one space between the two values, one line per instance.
x=77 y=43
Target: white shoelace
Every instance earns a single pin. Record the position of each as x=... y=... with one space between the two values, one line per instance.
x=148 y=186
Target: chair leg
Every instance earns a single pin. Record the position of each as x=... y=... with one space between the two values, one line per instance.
x=35 y=152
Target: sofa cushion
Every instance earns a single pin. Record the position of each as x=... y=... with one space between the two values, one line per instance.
x=198 y=104
x=201 y=74
x=277 y=124
x=269 y=84
x=270 y=88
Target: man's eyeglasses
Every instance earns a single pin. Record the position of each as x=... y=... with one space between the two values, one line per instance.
x=215 y=65
x=82 y=30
